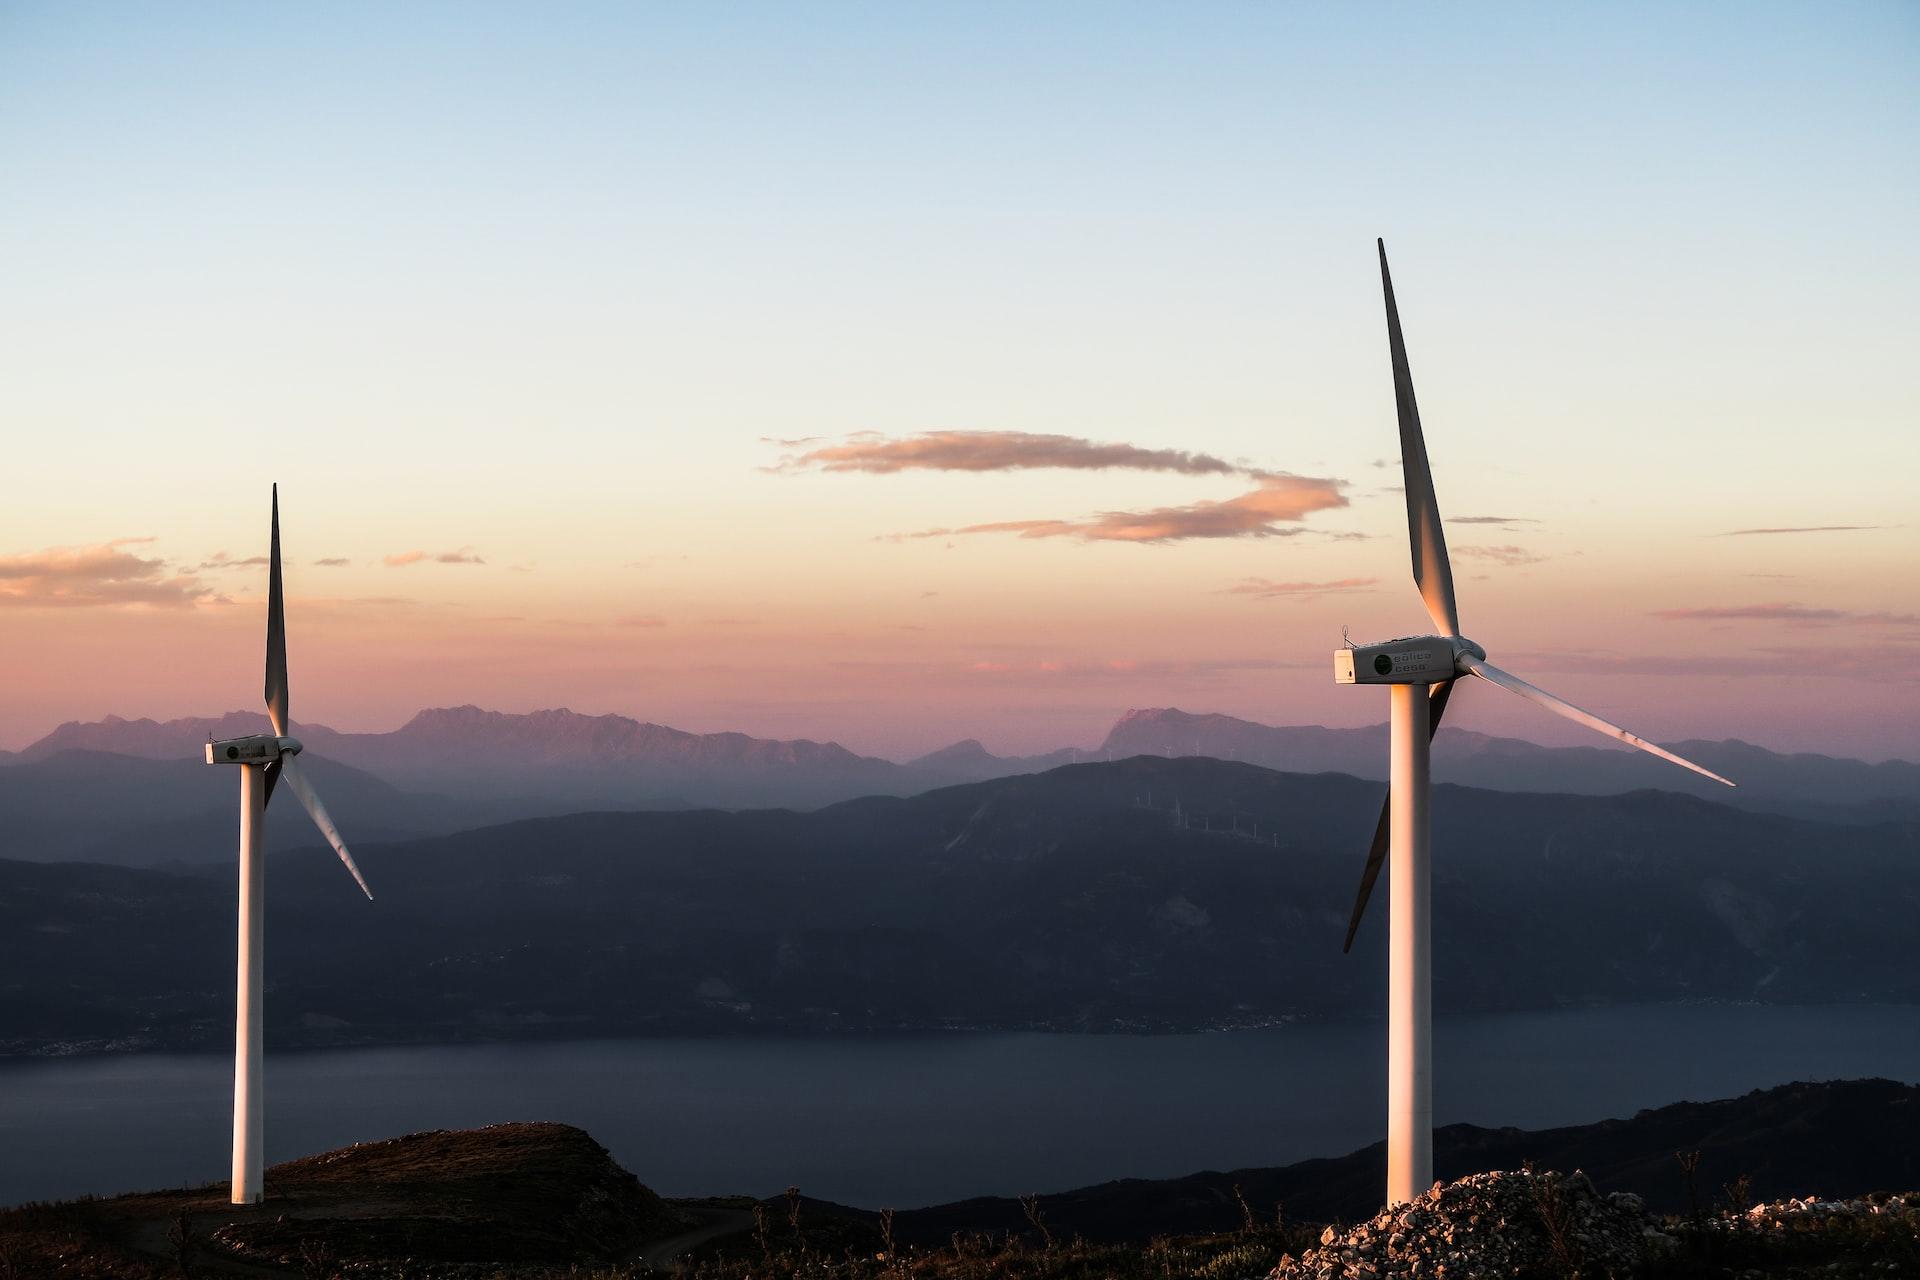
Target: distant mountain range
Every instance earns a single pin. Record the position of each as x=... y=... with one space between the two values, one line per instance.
x=968 y=761
x=558 y=759
x=452 y=768
x=1807 y=785
x=85 y=805
x=135 y=792
x=1143 y=894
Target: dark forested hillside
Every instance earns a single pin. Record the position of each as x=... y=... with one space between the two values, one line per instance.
x=1146 y=893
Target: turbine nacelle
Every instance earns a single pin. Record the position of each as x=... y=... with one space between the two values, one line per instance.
x=1409 y=660
x=259 y=748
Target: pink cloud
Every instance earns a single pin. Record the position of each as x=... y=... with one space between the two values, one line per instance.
x=1507 y=555
x=1786 y=612
x=333 y=562
x=997 y=451
x=221 y=560
x=1797 y=661
x=1102 y=671
x=94 y=577
x=1280 y=499
x=401 y=559
x=1267 y=589
x=640 y=620
x=1811 y=528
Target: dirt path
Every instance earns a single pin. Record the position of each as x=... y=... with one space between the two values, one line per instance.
x=149 y=1232
x=149 y=1237
x=715 y=1223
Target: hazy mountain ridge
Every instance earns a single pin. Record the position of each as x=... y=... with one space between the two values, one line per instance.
x=969 y=761
x=1804 y=784
x=81 y=804
x=1142 y=894
x=565 y=736
x=537 y=763
x=155 y=739
x=454 y=768
x=554 y=735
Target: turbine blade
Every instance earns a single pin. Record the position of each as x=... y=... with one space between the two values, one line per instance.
x=273 y=776
x=1382 y=831
x=276 y=631
x=304 y=789
x=1432 y=572
x=1560 y=707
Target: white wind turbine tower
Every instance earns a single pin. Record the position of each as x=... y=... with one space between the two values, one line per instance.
x=1420 y=671
x=264 y=759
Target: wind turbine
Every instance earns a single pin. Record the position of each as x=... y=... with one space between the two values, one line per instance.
x=264 y=759
x=1420 y=672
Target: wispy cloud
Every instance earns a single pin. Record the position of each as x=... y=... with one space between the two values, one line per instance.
x=333 y=562
x=221 y=560
x=640 y=620
x=1503 y=521
x=995 y=451
x=95 y=577
x=1266 y=589
x=1804 y=662
x=1810 y=528
x=1052 y=672
x=1280 y=500
x=1782 y=611
x=1507 y=555
x=401 y=559
x=350 y=608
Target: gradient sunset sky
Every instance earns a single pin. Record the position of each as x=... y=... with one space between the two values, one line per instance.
x=901 y=373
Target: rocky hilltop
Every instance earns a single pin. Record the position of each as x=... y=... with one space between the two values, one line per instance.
x=1498 y=1226
x=1493 y=1226
x=534 y=1199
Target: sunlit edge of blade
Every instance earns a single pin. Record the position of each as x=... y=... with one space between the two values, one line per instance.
x=279 y=709
x=1560 y=706
x=318 y=812
x=1426 y=537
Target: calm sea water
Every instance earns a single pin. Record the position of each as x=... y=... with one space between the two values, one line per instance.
x=918 y=1120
